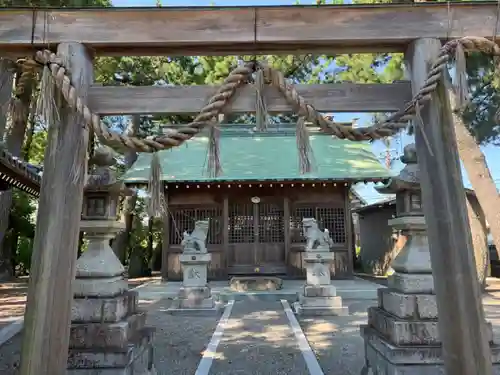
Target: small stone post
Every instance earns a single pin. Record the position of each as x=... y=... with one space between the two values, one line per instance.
x=402 y=333
x=319 y=296
x=195 y=295
x=108 y=333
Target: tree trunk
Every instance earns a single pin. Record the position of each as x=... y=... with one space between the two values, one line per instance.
x=30 y=132
x=478 y=173
x=15 y=139
x=121 y=241
x=150 y=249
x=479 y=238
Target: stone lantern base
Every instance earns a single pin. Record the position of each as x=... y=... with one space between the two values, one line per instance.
x=402 y=337
x=108 y=333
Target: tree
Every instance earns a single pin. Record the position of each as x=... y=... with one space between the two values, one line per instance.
x=14 y=131
x=482 y=116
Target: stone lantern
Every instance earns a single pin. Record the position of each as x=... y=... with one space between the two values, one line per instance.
x=100 y=225
x=402 y=336
x=414 y=257
x=108 y=332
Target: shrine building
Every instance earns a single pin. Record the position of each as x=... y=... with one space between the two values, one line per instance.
x=257 y=204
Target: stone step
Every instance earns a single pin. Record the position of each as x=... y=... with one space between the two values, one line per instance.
x=334 y=302
x=320 y=291
x=226 y=296
x=176 y=308
x=406 y=306
x=320 y=311
x=106 y=336
x=255 y=283
x=407 y=332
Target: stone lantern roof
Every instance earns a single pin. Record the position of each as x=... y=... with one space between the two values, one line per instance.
x=408 y=178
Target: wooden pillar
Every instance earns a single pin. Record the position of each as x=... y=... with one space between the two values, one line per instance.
x=165 y=242
x=348 y=231
x=256 y=248
x=461 y=317
x=225 y=231
x=286 y=223
x=50 y=294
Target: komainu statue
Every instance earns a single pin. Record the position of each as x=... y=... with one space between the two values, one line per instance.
x=316 y=239
x=195 y=242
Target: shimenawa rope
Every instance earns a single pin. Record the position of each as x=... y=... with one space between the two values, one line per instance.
x=454 y=49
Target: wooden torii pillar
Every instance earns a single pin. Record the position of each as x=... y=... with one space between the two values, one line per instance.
x=50 y=293
x=462 y=326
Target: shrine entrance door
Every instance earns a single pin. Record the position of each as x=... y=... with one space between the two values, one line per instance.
x=256 y=236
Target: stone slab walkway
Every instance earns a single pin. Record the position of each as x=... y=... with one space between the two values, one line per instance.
x=258 y=340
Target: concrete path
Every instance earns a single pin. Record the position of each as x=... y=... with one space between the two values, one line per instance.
x=258 y=339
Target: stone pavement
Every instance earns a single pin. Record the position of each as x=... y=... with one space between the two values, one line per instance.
x=258 y=340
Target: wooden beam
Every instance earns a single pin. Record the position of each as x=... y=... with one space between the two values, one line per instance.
x=461 y=320
x=345 y=97
x=244 y=30
x=50 y=293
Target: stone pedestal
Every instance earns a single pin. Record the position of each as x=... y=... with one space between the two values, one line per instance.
x=108 y=333
x=319 y=297
x=402 y=336
x=195 y=296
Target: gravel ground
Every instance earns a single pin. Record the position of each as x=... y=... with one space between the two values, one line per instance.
x=13 y=297
x=258 y=341
x=180 y=340
x=9 y=356
x=336 y=341
x=12 y=301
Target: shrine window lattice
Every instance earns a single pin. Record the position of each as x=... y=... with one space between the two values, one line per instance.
x=241 y=223
x=183 y=219
x=331 y=218
x=270 y=221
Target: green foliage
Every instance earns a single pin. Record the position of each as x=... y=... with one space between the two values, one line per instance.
x=187 y=70
x=21 y=228
x=482 y=114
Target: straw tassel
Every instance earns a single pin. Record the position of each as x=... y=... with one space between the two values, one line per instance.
x=304 y=148
x=47 y=109
x=261 y=115
x=155 y=188
x=461 y=87
x=214 y=167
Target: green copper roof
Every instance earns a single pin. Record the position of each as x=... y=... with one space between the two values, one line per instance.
x=247 y=156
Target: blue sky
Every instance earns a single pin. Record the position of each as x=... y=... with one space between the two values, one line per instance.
x=492 y=153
